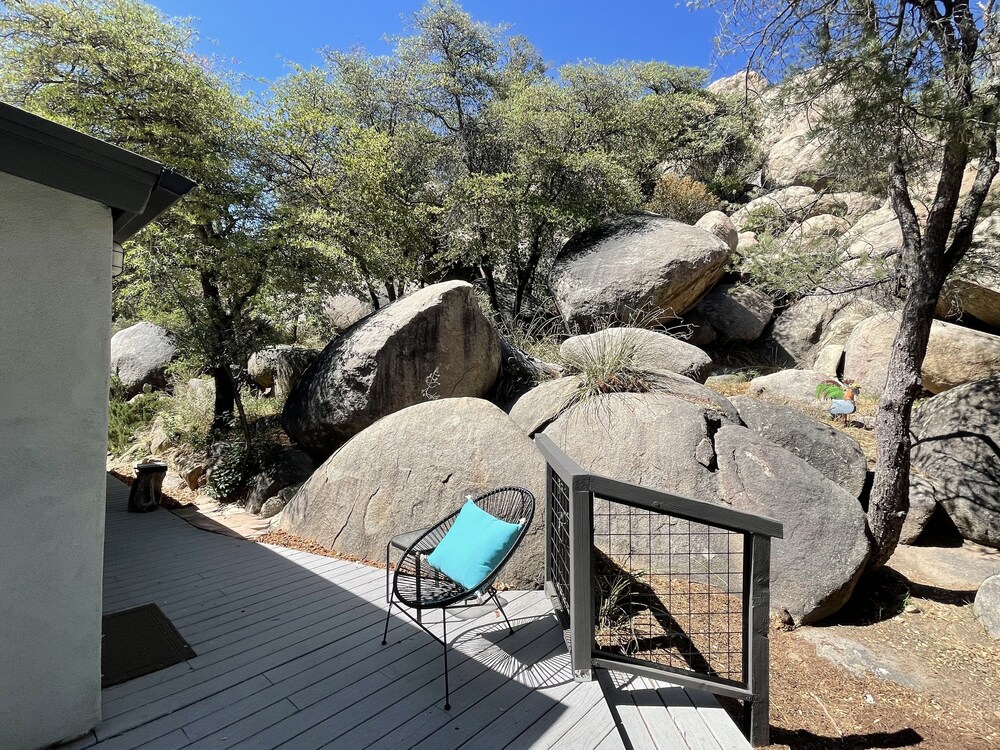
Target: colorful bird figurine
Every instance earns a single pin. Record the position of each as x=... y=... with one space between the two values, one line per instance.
x=841 y=397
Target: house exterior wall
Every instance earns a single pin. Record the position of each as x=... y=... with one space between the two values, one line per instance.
x=55 y=313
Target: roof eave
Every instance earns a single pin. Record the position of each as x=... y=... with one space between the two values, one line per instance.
x=136 y=189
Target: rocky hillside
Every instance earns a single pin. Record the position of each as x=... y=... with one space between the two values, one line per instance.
x=408 y=408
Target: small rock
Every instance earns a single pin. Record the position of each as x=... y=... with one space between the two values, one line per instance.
x=717 y=223
x=290 y=466
x=273 y=506
x=987 y=606
x=795 y=387
x=192 y=471
x=202 y=387
x=160 y=440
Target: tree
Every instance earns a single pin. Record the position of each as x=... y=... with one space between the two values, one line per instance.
x=349 y=170
x=458 y=155
x=916 y=91
x=119 y=70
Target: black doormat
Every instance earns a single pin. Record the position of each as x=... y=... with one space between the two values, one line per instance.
x=138 y=641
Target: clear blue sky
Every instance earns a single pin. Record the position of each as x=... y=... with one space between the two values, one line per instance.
x=256 y=37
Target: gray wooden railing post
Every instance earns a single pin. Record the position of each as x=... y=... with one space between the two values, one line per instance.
x=548 y=526
x=581 y=583
x=756 y=651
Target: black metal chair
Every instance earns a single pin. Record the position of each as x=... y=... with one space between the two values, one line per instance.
x=418 y=586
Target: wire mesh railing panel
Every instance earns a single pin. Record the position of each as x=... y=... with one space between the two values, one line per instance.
x=668 y=592
x=558 y=546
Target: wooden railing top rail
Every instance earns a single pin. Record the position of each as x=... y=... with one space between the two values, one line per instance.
x=664 y=502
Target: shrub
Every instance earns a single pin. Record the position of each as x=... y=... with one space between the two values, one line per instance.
x=610 y=365
x=233 y=463
x=682 y=198
x=766 y=219
x=126 y=418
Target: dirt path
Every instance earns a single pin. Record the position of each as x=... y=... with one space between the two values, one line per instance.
x=906 y=664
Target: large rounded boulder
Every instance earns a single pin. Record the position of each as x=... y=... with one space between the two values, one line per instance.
x=640 y=265
x=341 y=311
x=140 y=355
x=955 y=448
x=643 y=349
x=434 y=343
x=955 y=355
x=412 y=469
x=278 y=368
x=815 y=567
x=623 y=436
x=737 y=311
x=836 y=455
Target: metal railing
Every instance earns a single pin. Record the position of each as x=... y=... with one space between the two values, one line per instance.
x=659 y=585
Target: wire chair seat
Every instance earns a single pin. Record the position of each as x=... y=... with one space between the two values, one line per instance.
x=417 y=585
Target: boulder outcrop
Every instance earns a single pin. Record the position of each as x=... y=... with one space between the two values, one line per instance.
x=412 y=469
x=637 y=266
x=140 y=355
x=434 y=343
x=815 y=567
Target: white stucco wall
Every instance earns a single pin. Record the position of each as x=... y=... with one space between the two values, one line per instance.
x=55 y=313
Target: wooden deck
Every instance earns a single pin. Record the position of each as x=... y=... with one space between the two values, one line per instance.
x=289 y=655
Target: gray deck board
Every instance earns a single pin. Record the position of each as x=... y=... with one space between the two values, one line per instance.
x=289 y=655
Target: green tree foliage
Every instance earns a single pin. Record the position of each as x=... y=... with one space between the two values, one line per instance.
x=471 y=160
x=458 y=155
x=349 y=172
x=211 y=268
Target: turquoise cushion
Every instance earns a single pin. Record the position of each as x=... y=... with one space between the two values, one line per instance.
x=474 y=545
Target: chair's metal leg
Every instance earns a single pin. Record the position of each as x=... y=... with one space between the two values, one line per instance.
x=444 y=628
x=385 y=632
x=420 y=620
x=387 y=571
x=493 y=595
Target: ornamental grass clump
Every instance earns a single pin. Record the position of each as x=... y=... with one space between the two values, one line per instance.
x=611 y=364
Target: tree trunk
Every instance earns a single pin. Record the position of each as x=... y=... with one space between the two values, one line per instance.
x=924 y=269
x=225 y=398
x=526 y=275
x=889 y=501
x=491 y=286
